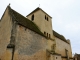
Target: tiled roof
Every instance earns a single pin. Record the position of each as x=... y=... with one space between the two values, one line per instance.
x=59 y=36
x=20 y=19
x=24 y=21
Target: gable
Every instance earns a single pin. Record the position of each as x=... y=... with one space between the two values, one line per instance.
x=37 y=10
x=4 y=13
x=25 y=22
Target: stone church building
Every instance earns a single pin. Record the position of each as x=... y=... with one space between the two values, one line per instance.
x=31 y=37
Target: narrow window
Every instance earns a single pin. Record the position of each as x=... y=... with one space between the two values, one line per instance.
x=32 y=18
x=44 y=33
x=49 y=36
x=45 y=17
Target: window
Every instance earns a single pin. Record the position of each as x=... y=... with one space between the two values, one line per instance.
x=32 y=18
x=45 y=17
x=44 y=33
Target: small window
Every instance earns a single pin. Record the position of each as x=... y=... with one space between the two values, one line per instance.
x=32 y=18
x=45 y=17
x=49 y=36
x=44 y=33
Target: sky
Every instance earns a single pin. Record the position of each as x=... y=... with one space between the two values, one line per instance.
x=65 y=16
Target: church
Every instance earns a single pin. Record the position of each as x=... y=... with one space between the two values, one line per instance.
x=31 y=37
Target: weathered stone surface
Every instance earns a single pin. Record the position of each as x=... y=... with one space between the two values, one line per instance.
x=5 y=34
x=61 y=46
x=30 y=44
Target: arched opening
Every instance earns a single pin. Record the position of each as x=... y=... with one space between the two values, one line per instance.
x=47 y=34
x=45 y=17
x=32 y=18
x=44 y=33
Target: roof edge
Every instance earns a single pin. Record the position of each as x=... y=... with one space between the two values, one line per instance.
x=61 y=37
x=38 y=8
x=30 y=21
x=5 y=11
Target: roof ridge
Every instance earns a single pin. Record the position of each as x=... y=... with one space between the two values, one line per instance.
x=25 y=17
x=26 y=22
x=38 y=9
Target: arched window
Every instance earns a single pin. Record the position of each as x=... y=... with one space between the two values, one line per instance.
x=45 y=17
x=44 y=33
x=32 y=18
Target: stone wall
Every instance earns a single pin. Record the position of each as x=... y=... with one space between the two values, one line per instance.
x=29 y=45
x=61 y=46
x=50 y=44
x=5 y=34
x=56 y=57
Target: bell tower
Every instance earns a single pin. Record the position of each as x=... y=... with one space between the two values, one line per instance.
x=42 y=20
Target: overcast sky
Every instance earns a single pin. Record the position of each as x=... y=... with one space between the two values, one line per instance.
x=65 y=16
